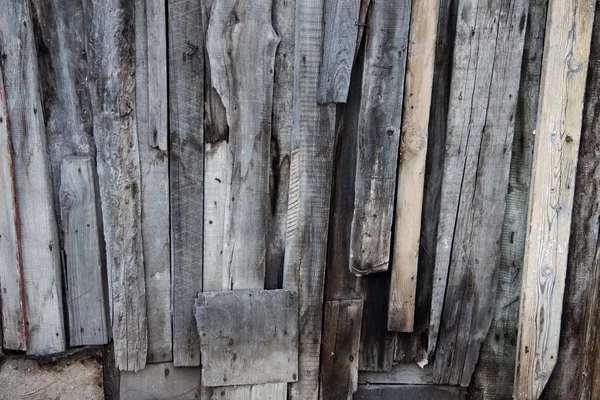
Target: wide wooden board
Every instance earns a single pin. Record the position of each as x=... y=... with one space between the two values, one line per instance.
x=161 y=381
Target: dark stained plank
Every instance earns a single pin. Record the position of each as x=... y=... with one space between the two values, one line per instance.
x=341 y=338
x=338 y=48
x=85 y=279
x=242 y=328
x=483 y=94
x=161 y=381
x=186 y=96
x=379 y=135
x=37 y=231
x=409 y=392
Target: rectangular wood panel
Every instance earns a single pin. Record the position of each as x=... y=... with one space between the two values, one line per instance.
x=161 y=381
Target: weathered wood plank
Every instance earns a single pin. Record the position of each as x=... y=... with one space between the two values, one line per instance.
x=268 y=391
x=485 y=80
x=112 y=71
x=186 y=125
x=37 y=229
x=494 y=374
x=85 y=279
x=161 y=381
x=379 y=135
x=339 y=367
x=12 y=295
x=411 y=168
x=401 y=374
x=151 y=109
x=248 y=327
x=338 y=49
x=310 y=193
x=409 y=392
x=564 y=70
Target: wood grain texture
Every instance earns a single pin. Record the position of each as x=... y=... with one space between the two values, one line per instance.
x=151 y=117
x=379 y=135
x=340 y=30
x=559 y=121
x=112 y=70
x=85 y=279
x=494 y=375
x=341 y=338
x=411 y=167
x=161 y=381
x=310 y=194
x=37 y=230
x=14 y=328
x=409 y=392
x=485 y=79
x=268 y=391
x=401 y=374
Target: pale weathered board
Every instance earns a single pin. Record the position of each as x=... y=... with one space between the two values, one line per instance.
x=484 y=90
x=339 y=364
x=411 y=168
x=559 y=121
x=161 y=381
x=151 y=117
x=309 y=196
x=340 y=24
x=268 y=391
x=112 y=73
x=37 y=230
x=186 y=126
x=248 y=336
x=379 y=124
x=85 y=279
x=14 y=328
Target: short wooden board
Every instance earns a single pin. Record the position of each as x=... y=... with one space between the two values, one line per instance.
x=409 y=392
x=161 y=381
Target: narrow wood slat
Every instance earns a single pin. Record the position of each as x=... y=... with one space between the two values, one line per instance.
x=564 y=71
x=161 y=381
x=379 y=135
x=411 y=168
x=37 y=230
x=85 y=279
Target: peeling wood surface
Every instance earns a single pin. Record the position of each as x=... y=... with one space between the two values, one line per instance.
x=37 y=231
x=379 y=135
x=559 y=121
x=161 y=381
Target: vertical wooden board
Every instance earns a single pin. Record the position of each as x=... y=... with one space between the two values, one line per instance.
x=37 y=230
x=494 y=375
x=411 y=167
x=340 y=24
x=310 y=193
x=341 y=338
x=485 y=80
x=151 y=103
x=12 y=295
x=186 y=126
x=85 y=284
x=161 y=381
x=559 y=121
x=112 y=71
x=268 y=391
x=379 y=135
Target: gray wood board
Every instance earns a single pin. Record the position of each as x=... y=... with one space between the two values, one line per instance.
x=248 y=336
x=40 y=250
x=112 y=71
x=400 y=374
x=379 y=124
x=409 y=392
x=186 y=162
x=85 y=278
x=161 y=381
x=268 y=391
x=485 y=81
x=340 y=24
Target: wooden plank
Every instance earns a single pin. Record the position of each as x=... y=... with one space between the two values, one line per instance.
x=310 y=194
x=379 y=136
x=37 y=229
x=411 y=167
x=151 y=108
x=112 y=70
x=401 y=374
x=12 y=295
x=186 y=96
x=85 y=279
x=339 y=368
x=268 y=391
x=485 y=79
x=409 y=392
x=338 y=49
x=568 y=34
x=161 y=381
x=494 y=374
x=248 y=327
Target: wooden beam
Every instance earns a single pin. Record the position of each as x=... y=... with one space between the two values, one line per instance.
x=564 y=71
x=411 y=167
